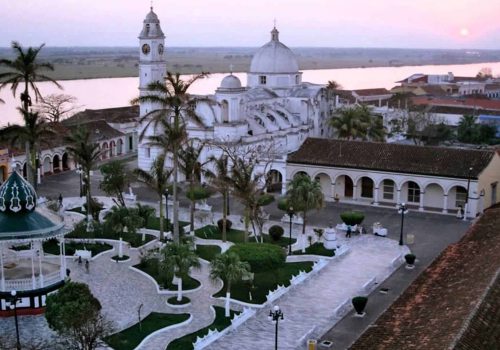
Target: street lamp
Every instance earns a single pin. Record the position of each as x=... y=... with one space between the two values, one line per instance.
x=402 y=210
x=290 y=213
x=14 y=301
x=80 y=172
x=275 y=315
x=466 y=206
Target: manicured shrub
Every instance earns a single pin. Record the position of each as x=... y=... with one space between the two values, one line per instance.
x=260 y=256
x=276 y=232
x=410 y=259
x=359 y=304
x=265 y=199
x=229 y=224
x=352 y=218
x=197 y=193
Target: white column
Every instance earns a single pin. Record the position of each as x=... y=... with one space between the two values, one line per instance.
x=398 y=197
x=2 y=285
x=445 y=203
x=283 y=187
x=354 y=192
x=375 y=196
x=61 y=256
x=51 y=166
x=40 y=256
x=38 y=175
x=421 y=205
x=33 y=280
x=64 y=256
x=333 y=189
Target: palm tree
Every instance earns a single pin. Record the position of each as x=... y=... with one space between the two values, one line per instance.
x=25 y=69
x=33 y=133
x=87 y=154
x=230 y=269
x=333 y=85
x=467 y=129
x=175 y=104
x=191 y=168
x=177 y=260
x=303 y=195
x=219 y=179
x=122 y=217
x=371 y=127
x=245 y=187
x=347 y=124
x=157 y=179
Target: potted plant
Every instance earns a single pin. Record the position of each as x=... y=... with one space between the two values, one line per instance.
x=359 y=304
x=410 y=261
x=276 y=232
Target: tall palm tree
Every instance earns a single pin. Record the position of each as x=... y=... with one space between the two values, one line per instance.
x=190 y=166
x=178 y=259
x=25 y=69
x=245 y=186
x=371 y=126
x=35 y=132
x=122 y=217
x=230 y=269
x=304 y=195
x=219 y=179
x=157 y=179
x=87 y=154
x=347 y=124
x=174 y=105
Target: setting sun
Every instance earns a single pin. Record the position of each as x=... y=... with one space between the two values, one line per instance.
x=464 y=32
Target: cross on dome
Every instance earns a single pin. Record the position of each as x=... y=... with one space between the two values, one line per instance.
x=275 y=34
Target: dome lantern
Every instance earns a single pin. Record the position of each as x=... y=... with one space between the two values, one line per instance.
x=17 y=195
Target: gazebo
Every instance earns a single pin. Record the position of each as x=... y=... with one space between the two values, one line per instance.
x=23 y=266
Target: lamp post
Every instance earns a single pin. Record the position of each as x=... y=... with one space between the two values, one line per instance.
x=290 y=213
x=402 y=210
x=275 y=315
x=79 y=172
x=466 y=206
x=14 y=301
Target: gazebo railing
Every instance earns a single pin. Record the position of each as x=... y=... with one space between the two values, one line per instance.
x=27 y=283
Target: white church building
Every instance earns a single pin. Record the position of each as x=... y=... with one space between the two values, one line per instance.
x=275 y=107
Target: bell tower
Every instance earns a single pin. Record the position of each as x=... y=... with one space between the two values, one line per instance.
x=152 y=68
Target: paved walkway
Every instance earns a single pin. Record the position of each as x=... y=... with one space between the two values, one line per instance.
x=309 y=307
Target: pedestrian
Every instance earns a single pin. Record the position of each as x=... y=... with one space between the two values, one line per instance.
x=348 y=232
x=68 y=272
x=79 y=259
x=87 y=266
x=60 y=200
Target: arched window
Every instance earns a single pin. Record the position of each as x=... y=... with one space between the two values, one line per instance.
x=413 y=192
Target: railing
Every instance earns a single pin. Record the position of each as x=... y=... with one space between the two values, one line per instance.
x=27 y=283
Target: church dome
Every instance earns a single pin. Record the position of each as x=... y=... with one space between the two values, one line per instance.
x=152 y=17
x=274 y=57
x=151 y=28
x=17 y=195
x=230 y=82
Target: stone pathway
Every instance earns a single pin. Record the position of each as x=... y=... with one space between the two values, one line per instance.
x=309 y=307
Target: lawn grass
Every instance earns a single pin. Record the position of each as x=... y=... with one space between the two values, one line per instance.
x=135 y=239
x=207 y=252
x=174 y=301
x=186 y=342
x=237 y=236
x=52 y=247
x=153 y=223
x=129 y=338
x=150 y=267
x=264 y=282
x=316 y=249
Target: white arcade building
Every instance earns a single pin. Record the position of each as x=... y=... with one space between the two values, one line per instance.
x=275 y=107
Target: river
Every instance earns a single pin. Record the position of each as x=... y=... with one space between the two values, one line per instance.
x=117 y=92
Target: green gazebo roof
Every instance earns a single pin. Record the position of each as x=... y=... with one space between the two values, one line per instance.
x=18 y=218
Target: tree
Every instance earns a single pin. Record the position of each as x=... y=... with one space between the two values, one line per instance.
x=230 y=269
x=145 y=212
x=466 y=131
x=74 y=313
x=33 y=133
x=353 y=123
x=25 y=69
x=87 y=154
x=157 y=179
x=56 y=107
x=372 y=126
x=219 y=180
x=114 y=180
x=485 y=73
x=190 y=166
x=177 y=260
x=175 y=105
x=304 y=195
x=333 y=85
x=122 y=217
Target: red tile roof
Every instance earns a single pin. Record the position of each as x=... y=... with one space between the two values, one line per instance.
x=453 y=304
x=372 y=92
x=474 y=103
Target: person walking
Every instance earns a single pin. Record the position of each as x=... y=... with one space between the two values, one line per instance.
x=87 y=266
x=348 y=232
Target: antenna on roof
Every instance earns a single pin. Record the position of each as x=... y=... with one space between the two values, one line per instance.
x=275 y=22
x=231 y=68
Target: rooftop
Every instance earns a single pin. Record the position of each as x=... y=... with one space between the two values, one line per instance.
x=111 y=115
x=390 y=157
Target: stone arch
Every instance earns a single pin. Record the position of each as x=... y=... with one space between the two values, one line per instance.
x=46 y=166
x=112 y=148
x=274 y=180
x=457 y=196
x=325 y=182
x=56 y=163
x=410 y=191
x=65 y=161
x=365 y=187
x=434 y=194
x=225 y=111
x=3 y=173
x=387 y=188
x=344 y=186
x=119 y=147
x=300 y=172
x=105 y=150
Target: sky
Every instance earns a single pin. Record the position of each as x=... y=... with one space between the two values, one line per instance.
x=319 y=23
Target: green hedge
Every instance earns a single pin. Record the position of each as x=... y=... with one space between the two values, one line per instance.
x=352 y=218
x=260 y=256
x=276 y=232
